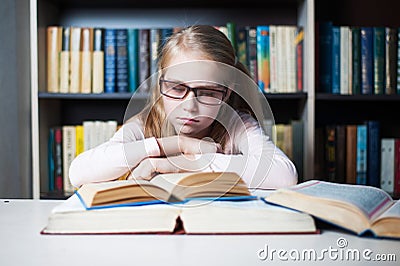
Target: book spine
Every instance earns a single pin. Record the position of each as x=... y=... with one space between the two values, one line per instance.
x=367 y=60
x=361 y=177
x=252 y=51
x=373 y=153
x=356 y=52
x=390 y=60
x=298 y=144
x=58 y=160
x=387 y=164
x=98 y=61
x=281 y=58
x=263 y=58
x=69 y=146
x=110 y=56
x=397 y=168
x=75 y=63
x=86 y=48
x=335 y=60
x=344 y=60
x=291 y=59
x=231 y=27
x=122 y=60
x=299 y=44
x=350 y=63
x=54 y=42
x=50 y=159
x=273 y=70
x=144 y=59
x=379 y=59
x=79 y=140
x=242 y=46
x=325 y=56
x=165 y=33
x=351 y=154
x=64 y=60
x=133 y=59
x=330 y=152
x=398 y=61
x=340 y=154
x=155 y=41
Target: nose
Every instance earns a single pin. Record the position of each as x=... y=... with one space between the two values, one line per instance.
x=190 y=102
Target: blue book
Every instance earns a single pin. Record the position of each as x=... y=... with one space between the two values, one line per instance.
x=373 y=153
x=325 y=56
x=133 y=59
x=367 y=60
x=122 y=60
x=263 y=58
x=361 y=177
x=379 y=59
x=109 y=60
x=335 y=60
x=50 y=156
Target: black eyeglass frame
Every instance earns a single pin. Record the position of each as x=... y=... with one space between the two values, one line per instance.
x=189 y=89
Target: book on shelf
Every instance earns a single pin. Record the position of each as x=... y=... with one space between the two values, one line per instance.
x=53 y=49
x=98 y=61
x=64 y=60
x=359 y=209
x=68 y=154
x=263 y=58
x=75 y=60
x=362 y=149
x=379 y=59
x=387 y=164
x=253 y=216
x=133 y=59
x=335 y=88
x=121 y=78
x=110 y=55
x=299 y=45
x=251 y=53
x=241 y=45
x=390 y=60
x=344 y=59
x=86 y=51
x=356 y=60
x=144 y=60
x=351 y=153
x=373 y=152
x=367 y=60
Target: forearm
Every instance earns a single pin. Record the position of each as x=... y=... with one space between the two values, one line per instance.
x=110 y=160
x=266 y=171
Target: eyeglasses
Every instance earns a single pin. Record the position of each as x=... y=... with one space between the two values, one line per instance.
x=208 y=93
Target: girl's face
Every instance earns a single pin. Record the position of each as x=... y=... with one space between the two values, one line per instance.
x=191 y=115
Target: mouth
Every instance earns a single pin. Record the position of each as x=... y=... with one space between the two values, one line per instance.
x=187 y=120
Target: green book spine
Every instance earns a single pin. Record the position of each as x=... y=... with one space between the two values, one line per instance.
x=133 y=59
x=379 y=60
x=231 y=27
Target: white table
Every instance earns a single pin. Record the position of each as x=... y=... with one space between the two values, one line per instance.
x=22 y=244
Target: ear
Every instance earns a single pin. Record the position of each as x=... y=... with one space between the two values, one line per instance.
x=228 y=94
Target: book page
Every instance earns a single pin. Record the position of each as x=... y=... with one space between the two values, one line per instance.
x=370 y=200
x=168 y=181
x=393 y=211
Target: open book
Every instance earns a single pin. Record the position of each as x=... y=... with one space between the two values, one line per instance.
x=357 y=208
x=251 y=216
x=171 y=187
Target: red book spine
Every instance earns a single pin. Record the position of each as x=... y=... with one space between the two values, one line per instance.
x=58 y=175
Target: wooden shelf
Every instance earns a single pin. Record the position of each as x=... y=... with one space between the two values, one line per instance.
x=362 y=97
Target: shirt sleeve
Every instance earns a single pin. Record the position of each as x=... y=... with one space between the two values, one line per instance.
x=114 y=158
x=259 y=161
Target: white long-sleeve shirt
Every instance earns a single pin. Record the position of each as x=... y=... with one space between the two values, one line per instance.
x=248 y=152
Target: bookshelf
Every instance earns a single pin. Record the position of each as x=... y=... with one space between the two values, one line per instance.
x=51 y=109
x=339 y=109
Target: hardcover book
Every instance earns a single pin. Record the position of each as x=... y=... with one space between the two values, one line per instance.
x=367 y=60
x=253 y=216
x=263 y=58
x=98 y=61
x=357 y=208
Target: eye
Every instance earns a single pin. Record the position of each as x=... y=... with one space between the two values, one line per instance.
x=179 y=88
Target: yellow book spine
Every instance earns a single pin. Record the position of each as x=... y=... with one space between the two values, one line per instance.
x=54 y=39
x=79 y=139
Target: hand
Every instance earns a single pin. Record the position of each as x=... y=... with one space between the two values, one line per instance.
x=149 y=167
x=187 y=145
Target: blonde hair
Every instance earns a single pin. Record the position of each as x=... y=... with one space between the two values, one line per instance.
x=215 y=46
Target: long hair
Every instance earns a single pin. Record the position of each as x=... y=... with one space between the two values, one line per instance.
x=213 y=45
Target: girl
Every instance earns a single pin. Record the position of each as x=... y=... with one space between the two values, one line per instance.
x=203 y=115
